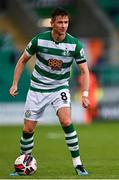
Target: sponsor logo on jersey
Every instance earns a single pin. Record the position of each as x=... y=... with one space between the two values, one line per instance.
x=55 y=64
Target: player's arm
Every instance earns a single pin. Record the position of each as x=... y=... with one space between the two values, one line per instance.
x=84 y=78
x=17 y=73
x=84 y=81
x=30 y=50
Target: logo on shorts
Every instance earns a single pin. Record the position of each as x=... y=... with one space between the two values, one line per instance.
x=27 y=113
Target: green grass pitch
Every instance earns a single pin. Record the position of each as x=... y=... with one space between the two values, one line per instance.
x=99 y=148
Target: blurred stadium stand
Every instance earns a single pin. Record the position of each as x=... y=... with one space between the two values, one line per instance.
x=111 y=8
x=12 y=42
x=95 y=22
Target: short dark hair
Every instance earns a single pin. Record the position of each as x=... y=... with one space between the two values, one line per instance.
x=59 y=12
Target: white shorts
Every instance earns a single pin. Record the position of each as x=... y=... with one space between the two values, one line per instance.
x=36 y=102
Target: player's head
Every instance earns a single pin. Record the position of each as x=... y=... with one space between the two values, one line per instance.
x=60 y=21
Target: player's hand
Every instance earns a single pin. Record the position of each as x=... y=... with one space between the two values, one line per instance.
x=85 y=102
x=13 y=91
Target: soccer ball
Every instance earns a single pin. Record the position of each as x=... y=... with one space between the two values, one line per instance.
x=25 y=164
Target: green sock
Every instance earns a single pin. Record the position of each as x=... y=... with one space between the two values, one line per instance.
x=72 y=140
x=26 y=143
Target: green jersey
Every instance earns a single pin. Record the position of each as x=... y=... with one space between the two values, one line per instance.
x=53 y=61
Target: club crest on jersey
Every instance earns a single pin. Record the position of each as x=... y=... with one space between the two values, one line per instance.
x=55 y=64
x=66 y=53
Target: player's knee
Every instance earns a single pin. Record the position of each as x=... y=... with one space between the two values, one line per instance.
x=29 y=126
x=65 y=123
x=28 y=130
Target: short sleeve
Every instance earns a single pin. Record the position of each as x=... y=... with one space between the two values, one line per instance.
x=31 y=47
x=79 y=53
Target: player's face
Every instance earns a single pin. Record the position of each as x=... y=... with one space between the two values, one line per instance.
x=60 y=24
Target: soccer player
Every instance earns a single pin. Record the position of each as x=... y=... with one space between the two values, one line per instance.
x=55 y=51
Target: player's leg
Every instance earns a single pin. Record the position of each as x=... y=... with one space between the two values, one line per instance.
x=27 y=139
x=71 y=139
x=70 y=134
x=32 y=111
x=61 y=104
x=34 y=108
